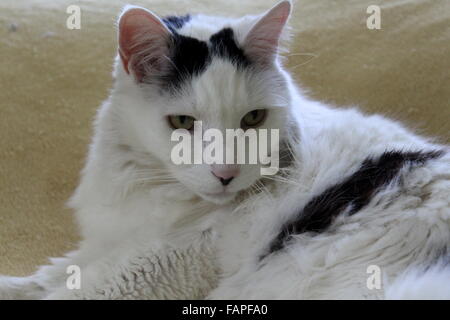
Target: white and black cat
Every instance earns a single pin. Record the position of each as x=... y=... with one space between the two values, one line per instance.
x=354 y=191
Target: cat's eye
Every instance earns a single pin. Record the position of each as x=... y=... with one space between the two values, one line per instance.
x=181 y=122
x=253 y=119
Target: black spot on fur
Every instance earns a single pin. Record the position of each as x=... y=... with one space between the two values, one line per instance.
x=176 y=22
x=223 y=44
x=351 y=195
x=190 y=57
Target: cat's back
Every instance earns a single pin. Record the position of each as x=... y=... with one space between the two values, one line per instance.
x=365 y=192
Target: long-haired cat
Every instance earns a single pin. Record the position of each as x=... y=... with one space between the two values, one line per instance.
x=355 y=194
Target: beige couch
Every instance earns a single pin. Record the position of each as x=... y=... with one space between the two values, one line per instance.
x=52 y=79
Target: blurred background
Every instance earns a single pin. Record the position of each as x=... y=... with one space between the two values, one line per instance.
x=52 y=79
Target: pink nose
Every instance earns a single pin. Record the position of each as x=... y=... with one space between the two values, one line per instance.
x=225 y=173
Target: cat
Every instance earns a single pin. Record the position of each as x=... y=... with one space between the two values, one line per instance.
x=353 y=193
x=146 y=223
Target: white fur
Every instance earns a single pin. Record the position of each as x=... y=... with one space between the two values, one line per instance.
x=150 y=229
x=418 y=285
x=404 y=227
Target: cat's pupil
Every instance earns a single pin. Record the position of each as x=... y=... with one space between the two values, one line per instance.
x=182 y=119
x=255 y=114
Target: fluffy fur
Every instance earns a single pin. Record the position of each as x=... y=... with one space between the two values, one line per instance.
x=159 y=231
x=404 y=227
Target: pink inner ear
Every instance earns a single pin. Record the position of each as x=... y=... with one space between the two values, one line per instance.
x=143 y=39
x=261 y=42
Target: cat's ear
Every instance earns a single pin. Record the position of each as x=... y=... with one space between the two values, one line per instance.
x=261 y=43
x=143 y=42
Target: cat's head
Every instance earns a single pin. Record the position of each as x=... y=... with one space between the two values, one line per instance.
x=223 y=72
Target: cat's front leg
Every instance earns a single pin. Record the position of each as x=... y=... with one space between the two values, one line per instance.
x=169 y=273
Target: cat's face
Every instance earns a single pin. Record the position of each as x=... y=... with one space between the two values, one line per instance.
x=186 y=69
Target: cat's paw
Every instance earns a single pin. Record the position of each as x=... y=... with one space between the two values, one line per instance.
x=17 y=288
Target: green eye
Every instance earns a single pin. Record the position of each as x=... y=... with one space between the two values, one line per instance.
x=181 y=122
x=253 y=119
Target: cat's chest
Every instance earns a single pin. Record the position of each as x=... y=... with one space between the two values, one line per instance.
x=145 y=214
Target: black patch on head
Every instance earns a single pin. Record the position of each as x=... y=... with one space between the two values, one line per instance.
x=189 y=57
x=176 y=22
x=351 y=195
x=223 y=45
